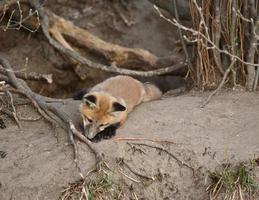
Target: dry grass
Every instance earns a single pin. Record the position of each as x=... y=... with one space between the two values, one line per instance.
x=100 y=186
x=233 y=182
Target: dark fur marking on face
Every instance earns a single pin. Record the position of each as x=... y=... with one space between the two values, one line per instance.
x=118 y=107
x=90 y=98
x=107 y=133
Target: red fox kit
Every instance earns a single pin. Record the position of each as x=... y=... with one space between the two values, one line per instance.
x=106 y=106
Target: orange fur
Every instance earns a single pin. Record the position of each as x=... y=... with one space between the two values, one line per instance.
x=124 y=90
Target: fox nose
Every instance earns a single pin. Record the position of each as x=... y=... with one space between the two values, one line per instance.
x=91 y=135
x=92 y=131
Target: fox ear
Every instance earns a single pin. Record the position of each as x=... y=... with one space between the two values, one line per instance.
x=90 y=100
x=118 y=107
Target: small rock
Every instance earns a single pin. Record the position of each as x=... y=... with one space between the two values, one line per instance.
x=3 y=154
x=2 y=124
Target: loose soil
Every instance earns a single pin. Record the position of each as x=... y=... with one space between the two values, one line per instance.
x=39 y=163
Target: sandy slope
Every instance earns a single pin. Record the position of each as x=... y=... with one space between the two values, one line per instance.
x=38 y=165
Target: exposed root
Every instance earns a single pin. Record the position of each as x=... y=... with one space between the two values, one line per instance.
x=127 y=176
x=180 y=162
x=47 y=110
x=112 y=52
x=80 y=136
x=57 y=26
x=43 y=113
x=144 y=139
x=14 y=113
x=121 y=161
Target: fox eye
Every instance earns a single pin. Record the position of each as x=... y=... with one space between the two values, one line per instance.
x=104 y=124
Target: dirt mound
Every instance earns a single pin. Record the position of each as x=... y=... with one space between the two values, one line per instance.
x=39 y=163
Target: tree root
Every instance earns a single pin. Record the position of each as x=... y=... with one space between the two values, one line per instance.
x=55 y=27
x=121 y=161
x=14 y=113
x=49 y=111
x=112 y=52
x=180 y=162
x=143 y=139
x=57 y=30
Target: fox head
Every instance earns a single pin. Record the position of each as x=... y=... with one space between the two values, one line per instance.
x=100 y=110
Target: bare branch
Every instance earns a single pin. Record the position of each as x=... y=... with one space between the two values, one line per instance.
x=220 y=85
x=17 y=25
x=198 y=33
x=182 y=38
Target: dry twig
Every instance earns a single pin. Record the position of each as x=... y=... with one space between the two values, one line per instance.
x=220 y=85
x=122 y=161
